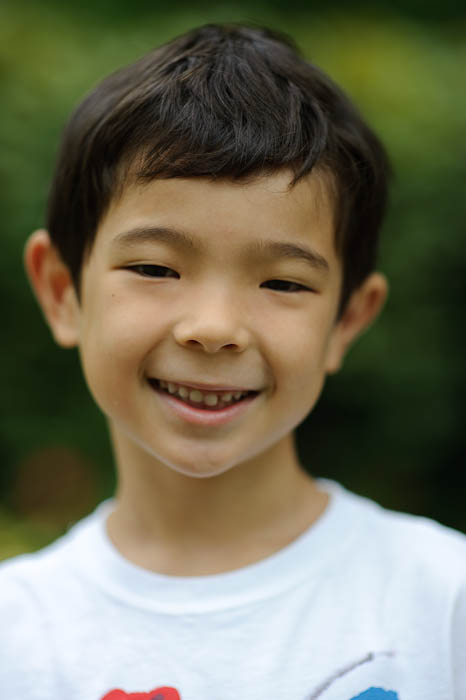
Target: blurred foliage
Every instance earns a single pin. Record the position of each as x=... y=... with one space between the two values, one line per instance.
x=391 y=424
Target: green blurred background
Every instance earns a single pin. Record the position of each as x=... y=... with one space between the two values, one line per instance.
x=390 y=426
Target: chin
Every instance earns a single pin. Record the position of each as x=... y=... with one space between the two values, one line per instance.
x=200 y=469
x=201 y=463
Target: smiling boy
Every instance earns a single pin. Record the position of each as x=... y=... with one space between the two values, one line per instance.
x=213 y=227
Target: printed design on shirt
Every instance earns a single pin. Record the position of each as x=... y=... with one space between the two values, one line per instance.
x=164 y=693
x=377 y=694
x=371 y=693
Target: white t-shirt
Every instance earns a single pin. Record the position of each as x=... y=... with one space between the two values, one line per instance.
x=367 y=604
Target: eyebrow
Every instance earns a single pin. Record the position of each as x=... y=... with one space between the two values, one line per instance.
x=260 y=248
x=154 y=234
x=284 y=249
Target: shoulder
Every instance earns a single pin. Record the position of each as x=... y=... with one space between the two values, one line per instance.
x=415 y=570
x=418 y=527
x=26 y=574
x=35 y=590
x=27 y=580
x=408 y=547
x=422 y=543
x=47 y=578
x=26 y=653
x=41 y=572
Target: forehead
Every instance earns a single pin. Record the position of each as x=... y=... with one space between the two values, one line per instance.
x=226 y=214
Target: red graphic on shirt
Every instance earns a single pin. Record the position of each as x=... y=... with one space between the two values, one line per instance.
x=164 y=693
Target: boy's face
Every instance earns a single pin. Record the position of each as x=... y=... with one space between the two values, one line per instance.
x=218 y=288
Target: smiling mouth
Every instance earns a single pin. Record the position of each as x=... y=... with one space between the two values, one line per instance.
x=206 y=400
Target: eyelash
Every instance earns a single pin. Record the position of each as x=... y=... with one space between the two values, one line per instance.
x=148 y=270
x=280 y=283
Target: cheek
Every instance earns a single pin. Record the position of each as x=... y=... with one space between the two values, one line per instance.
x=302 y=347
x=300 y=364
x=118 y=327
x=116 y=339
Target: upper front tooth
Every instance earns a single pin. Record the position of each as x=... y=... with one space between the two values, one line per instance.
x=238 y=394
x=211 y=399
x=171 y=388
x=227 y=397
x=195 y=395
x=183 y=392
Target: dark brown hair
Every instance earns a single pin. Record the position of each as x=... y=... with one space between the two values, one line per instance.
x=222 y=101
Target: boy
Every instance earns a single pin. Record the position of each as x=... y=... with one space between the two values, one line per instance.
x=213 y=228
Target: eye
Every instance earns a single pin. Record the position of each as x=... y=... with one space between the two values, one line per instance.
x=285 y=286
x=153 y=271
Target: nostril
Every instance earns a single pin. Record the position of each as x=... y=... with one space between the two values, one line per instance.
x=194 y=343
x=209 y=346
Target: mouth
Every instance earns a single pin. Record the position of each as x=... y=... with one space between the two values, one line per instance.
x=205 y=398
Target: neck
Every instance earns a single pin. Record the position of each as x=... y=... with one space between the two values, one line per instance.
x=181 y=525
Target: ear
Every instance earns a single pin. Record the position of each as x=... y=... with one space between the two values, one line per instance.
x=52 y=285
x=362 y=309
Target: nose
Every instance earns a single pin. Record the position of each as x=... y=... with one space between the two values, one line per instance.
x=212 y=324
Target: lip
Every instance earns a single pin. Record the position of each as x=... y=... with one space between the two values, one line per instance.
x=203 y=416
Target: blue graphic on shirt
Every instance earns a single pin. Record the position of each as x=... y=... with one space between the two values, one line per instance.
x=377 y=694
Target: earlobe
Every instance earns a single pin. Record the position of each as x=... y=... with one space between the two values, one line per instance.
x=362 y=309
x=53 y=287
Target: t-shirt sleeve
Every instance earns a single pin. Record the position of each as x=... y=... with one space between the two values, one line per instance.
x=25 y=655
x=459 y=645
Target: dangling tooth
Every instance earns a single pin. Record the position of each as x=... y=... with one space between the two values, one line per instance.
x=227 y=397
x=211 y=399
x=171 y=388
x=195 y=395
x=238 y=394
x=183 y=392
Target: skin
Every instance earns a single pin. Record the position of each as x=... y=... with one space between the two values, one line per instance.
x=197 y=499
